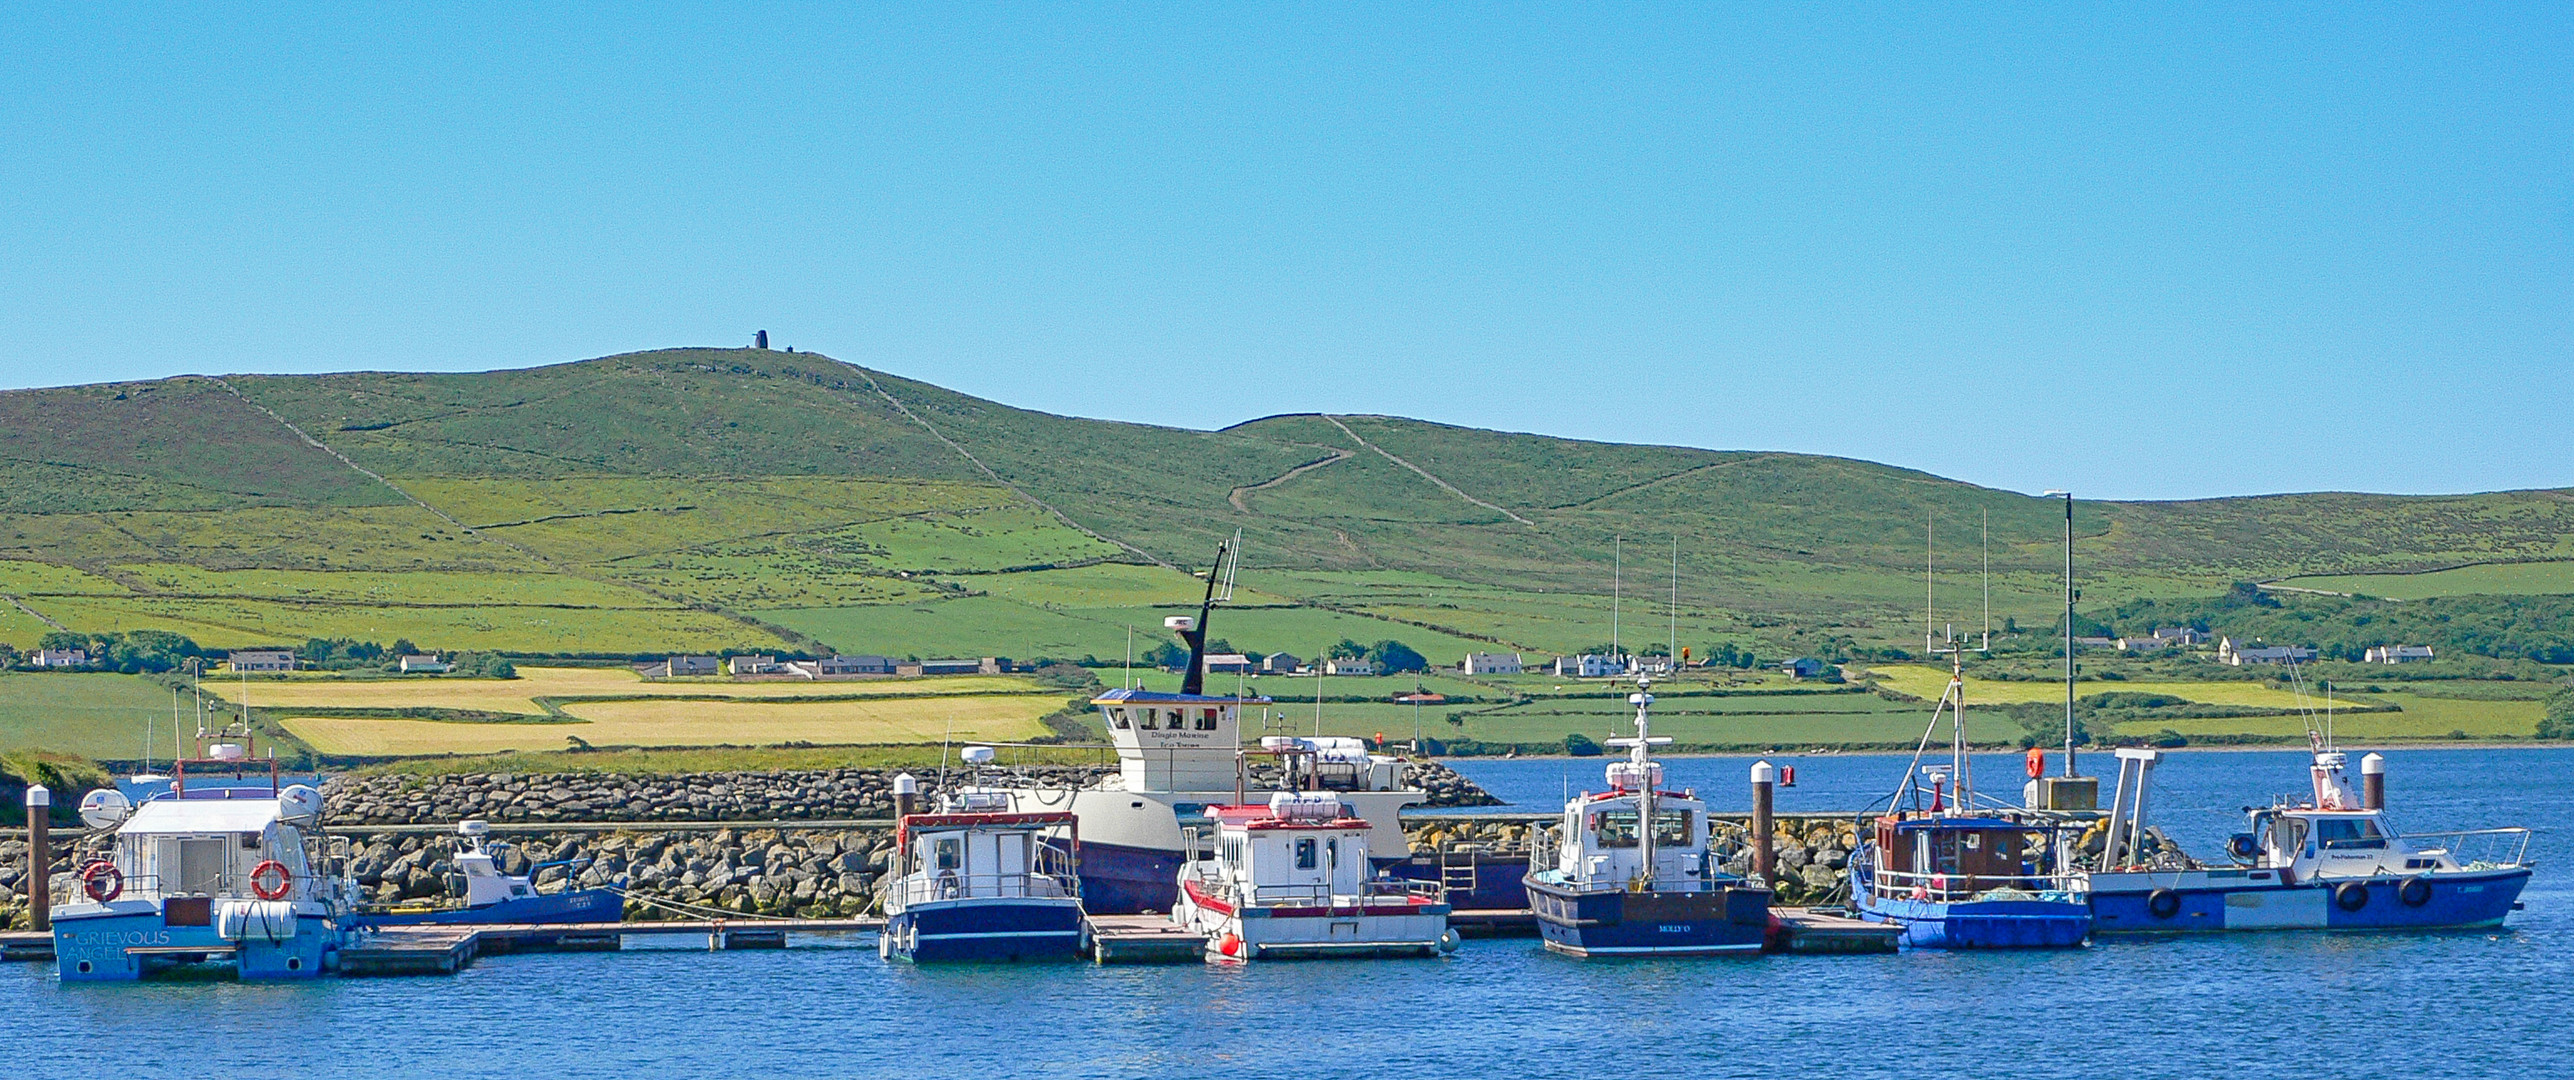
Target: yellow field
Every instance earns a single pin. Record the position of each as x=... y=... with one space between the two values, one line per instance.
x=696 y=723
x=514 y=695
x=1928 y=683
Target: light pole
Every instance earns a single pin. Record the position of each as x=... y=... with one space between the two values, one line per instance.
x=2069 y=631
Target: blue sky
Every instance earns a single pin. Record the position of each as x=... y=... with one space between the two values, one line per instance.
x=2143 y=253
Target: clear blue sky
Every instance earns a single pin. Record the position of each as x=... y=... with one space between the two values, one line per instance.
x=2141 y=253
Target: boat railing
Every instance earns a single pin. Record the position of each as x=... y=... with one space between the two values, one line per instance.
x=2474 y=849
x=950 y=885
x=1950 y=887
x=1322 y=895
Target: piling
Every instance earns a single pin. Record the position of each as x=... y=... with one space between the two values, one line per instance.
x=40 y=859
x=907 y=795
x=1765 y=849
x=2373 y=782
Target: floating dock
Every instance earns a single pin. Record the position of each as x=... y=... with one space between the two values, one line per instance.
x=1144 y=939
x=1817 y=932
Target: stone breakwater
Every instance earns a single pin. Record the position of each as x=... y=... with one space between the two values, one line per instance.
x=781 y=870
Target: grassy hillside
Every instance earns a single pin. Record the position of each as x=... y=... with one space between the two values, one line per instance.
x=708 y=499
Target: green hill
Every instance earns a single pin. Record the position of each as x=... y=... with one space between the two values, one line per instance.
x=706 y=499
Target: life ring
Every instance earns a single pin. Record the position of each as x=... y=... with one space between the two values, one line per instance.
x=2350 y=896
x=102 y=881
x=262 y=874
x=2415 y=892
x=2037 y=762
x=2163 y=903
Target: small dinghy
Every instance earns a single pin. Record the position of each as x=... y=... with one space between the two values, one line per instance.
x=490 y=897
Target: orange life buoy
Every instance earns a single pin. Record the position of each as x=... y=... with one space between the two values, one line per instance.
x=102 y=881
x=261 y=874
x=2037 y=762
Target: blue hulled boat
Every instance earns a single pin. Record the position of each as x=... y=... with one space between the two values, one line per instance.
x=490 y=897
x=228 y=878
x=1956 y=876
x=1611 y=887
x=2332 y=862
x=978 y=880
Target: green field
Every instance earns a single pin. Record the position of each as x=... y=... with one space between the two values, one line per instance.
x=94 y=715
x=2491 y=578
x=687 y=499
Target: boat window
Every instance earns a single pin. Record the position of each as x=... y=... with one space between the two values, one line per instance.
x=1145 y=719
x=1206 y=719
x=1304 y=853
x=950 y=853
x=1671 y=828
x=2348 y=833
x=250 y=841
x=1617 y=828
x=1117 y=719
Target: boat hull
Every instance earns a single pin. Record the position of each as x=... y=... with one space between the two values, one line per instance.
x=135 y=939
x=1983 y=924
x=582 y=906
x=1368 y=930
x=1719 y=922
x=2212 y=900
x=986 y=930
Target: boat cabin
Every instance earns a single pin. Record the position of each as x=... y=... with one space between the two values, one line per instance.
x=976 y=847
x=175 y=848
x=1174 y=742
x=1602 y=844
x=1950 y=857
x=1302 y=849
x=479 y=865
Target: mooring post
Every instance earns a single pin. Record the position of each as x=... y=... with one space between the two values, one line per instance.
x=40 y=859
x=1765 y=848
x=2373 y=782
x=907 y=795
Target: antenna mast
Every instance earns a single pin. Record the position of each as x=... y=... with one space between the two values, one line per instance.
x=1617 y=589
x=1988 y=579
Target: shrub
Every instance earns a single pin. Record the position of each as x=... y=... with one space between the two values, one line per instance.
x=1580 y=745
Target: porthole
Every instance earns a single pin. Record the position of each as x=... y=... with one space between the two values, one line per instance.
x=294 y=963
x=84 y=967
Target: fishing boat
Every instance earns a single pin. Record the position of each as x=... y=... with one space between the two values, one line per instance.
x=2331 y=861
x=979 y=880
x=1602 y=885
x=1292 y=880
x=486 y=896
x=224 y=877
x=1957 y=875
x=1176 y=756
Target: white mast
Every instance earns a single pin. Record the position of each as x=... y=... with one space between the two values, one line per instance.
x=1617 y=589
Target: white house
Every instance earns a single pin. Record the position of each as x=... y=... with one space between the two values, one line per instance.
x=59 y=658
x=1349 y=666
x=854 y=665
x=2181 y=635
x=1591 y=666
x=261 y=660
x=2236 y=656
x=430 y=663
x=1486 y=663
x=752 y=665
x=2398 y=654
x=2144 y=644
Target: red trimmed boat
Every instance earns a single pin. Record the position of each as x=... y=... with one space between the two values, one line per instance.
x=1292 y=880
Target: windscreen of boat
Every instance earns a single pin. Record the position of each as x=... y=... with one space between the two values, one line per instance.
x=1617 y=828
x=2347 y=834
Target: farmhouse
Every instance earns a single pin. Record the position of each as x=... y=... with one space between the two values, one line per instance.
x=59 y=658
x=1485 y=663
x=752 y=665
x=2095 y=643
x=1279 y=663
x=2181 y=635
x=945 y=667
x=2143 y=644
x=854 y=665
x=1349 y=665
x=680 y=666
x=2230 y=654
x=261 y=660
x=430 y=664
x=1803 y=667
x=1231 y=663
x=1590 y=666
x=2398 y=654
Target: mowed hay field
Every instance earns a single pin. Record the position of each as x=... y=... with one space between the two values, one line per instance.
x=2422 y=718
x=518 y=695
x=1929 y=683
x=1011 y=717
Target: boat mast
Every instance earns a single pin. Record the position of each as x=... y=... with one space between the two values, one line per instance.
x=2069 y=632
x=1617 y=589
x=1644 y=772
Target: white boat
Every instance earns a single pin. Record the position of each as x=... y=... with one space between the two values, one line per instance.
x=223 y=876
x=1176 y=759
x=976 y=880
x=1292 y=879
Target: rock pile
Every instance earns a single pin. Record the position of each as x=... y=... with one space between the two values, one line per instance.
x=1813 y=853
x=805 y=873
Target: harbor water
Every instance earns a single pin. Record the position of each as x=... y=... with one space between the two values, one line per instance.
x=2490 y=1003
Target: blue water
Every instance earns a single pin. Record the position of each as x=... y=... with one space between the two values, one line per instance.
x=2470 y=1004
